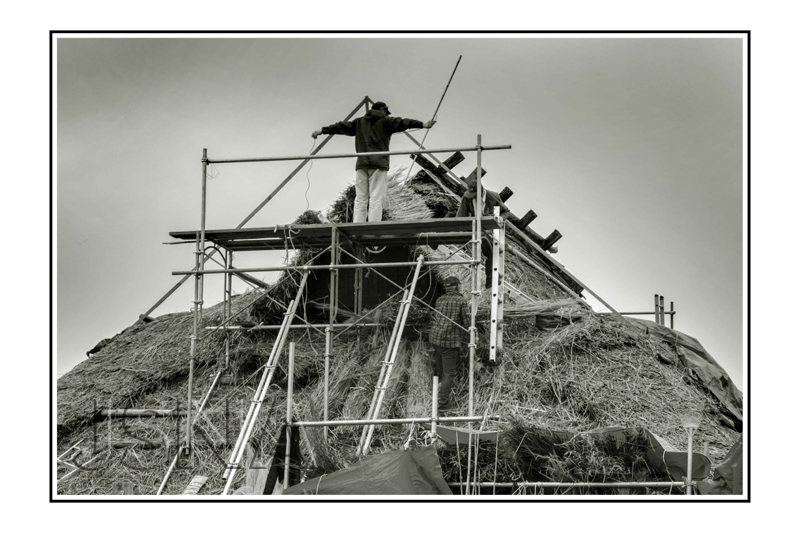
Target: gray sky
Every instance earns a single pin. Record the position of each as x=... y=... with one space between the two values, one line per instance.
x=632 y=148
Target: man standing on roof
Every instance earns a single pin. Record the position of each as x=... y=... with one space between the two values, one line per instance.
x=373 y=132
x=447 y=337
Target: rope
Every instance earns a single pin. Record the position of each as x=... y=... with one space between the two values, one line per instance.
x=313 y=144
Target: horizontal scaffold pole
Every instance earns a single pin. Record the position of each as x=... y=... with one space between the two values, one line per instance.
x=362 y=154
x=575 y=484
x=133 y=413
x=294 y=326
x=387 y=421
x=320 y=267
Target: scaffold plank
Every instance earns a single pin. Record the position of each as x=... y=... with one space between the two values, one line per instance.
x=319 y=234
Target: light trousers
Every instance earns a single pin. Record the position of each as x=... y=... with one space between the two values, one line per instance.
x=370 y=194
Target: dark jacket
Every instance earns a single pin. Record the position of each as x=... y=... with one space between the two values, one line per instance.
x=467 y=206
x=372 y=132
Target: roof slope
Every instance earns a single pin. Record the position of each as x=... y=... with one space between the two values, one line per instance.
x=563 y=368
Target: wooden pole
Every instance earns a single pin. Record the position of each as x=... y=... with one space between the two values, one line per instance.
x=672 y=315
x=658 y=315
x=661 y=309
x=305 y=160
x=437 y=110
x=256 y=210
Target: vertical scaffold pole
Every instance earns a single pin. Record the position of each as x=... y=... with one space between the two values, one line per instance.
x=689 y=458
x=332 y=311
x=476 y=257
x=198 y=299
x=289 y=393
x=359 y=284
x=435 y=406
x=672 y=315
x=226 y=305
x=658 y=315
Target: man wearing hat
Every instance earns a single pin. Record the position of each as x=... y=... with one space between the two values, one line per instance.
x=448 y=338
x=490 y=200
x=373 y=132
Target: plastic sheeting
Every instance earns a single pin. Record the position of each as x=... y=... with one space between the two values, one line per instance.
x=400 y=472
x=662 y=458
x=728 y=475
x=693 y=356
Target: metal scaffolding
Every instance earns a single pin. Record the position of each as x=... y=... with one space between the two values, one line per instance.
x=400 y=233
x=459 y=231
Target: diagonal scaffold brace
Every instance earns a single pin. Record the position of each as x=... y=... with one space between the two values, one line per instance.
x=261 y=390
x=389 y=364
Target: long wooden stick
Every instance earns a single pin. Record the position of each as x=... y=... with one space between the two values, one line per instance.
x=294 y=172
x=559 y=266
x=435 y=113
x=250 y=216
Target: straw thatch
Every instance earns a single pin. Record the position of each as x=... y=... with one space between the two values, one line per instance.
x=563 y=368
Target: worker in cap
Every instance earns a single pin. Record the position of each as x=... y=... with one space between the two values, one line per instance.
x=373 y=132
x=489 y=200
x=448 y=336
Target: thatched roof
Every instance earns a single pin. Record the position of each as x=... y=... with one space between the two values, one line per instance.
x=563 y=368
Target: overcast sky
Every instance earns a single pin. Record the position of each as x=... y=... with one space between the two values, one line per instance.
x=630 y=147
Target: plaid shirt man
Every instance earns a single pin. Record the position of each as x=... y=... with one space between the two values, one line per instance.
x=443 y=332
